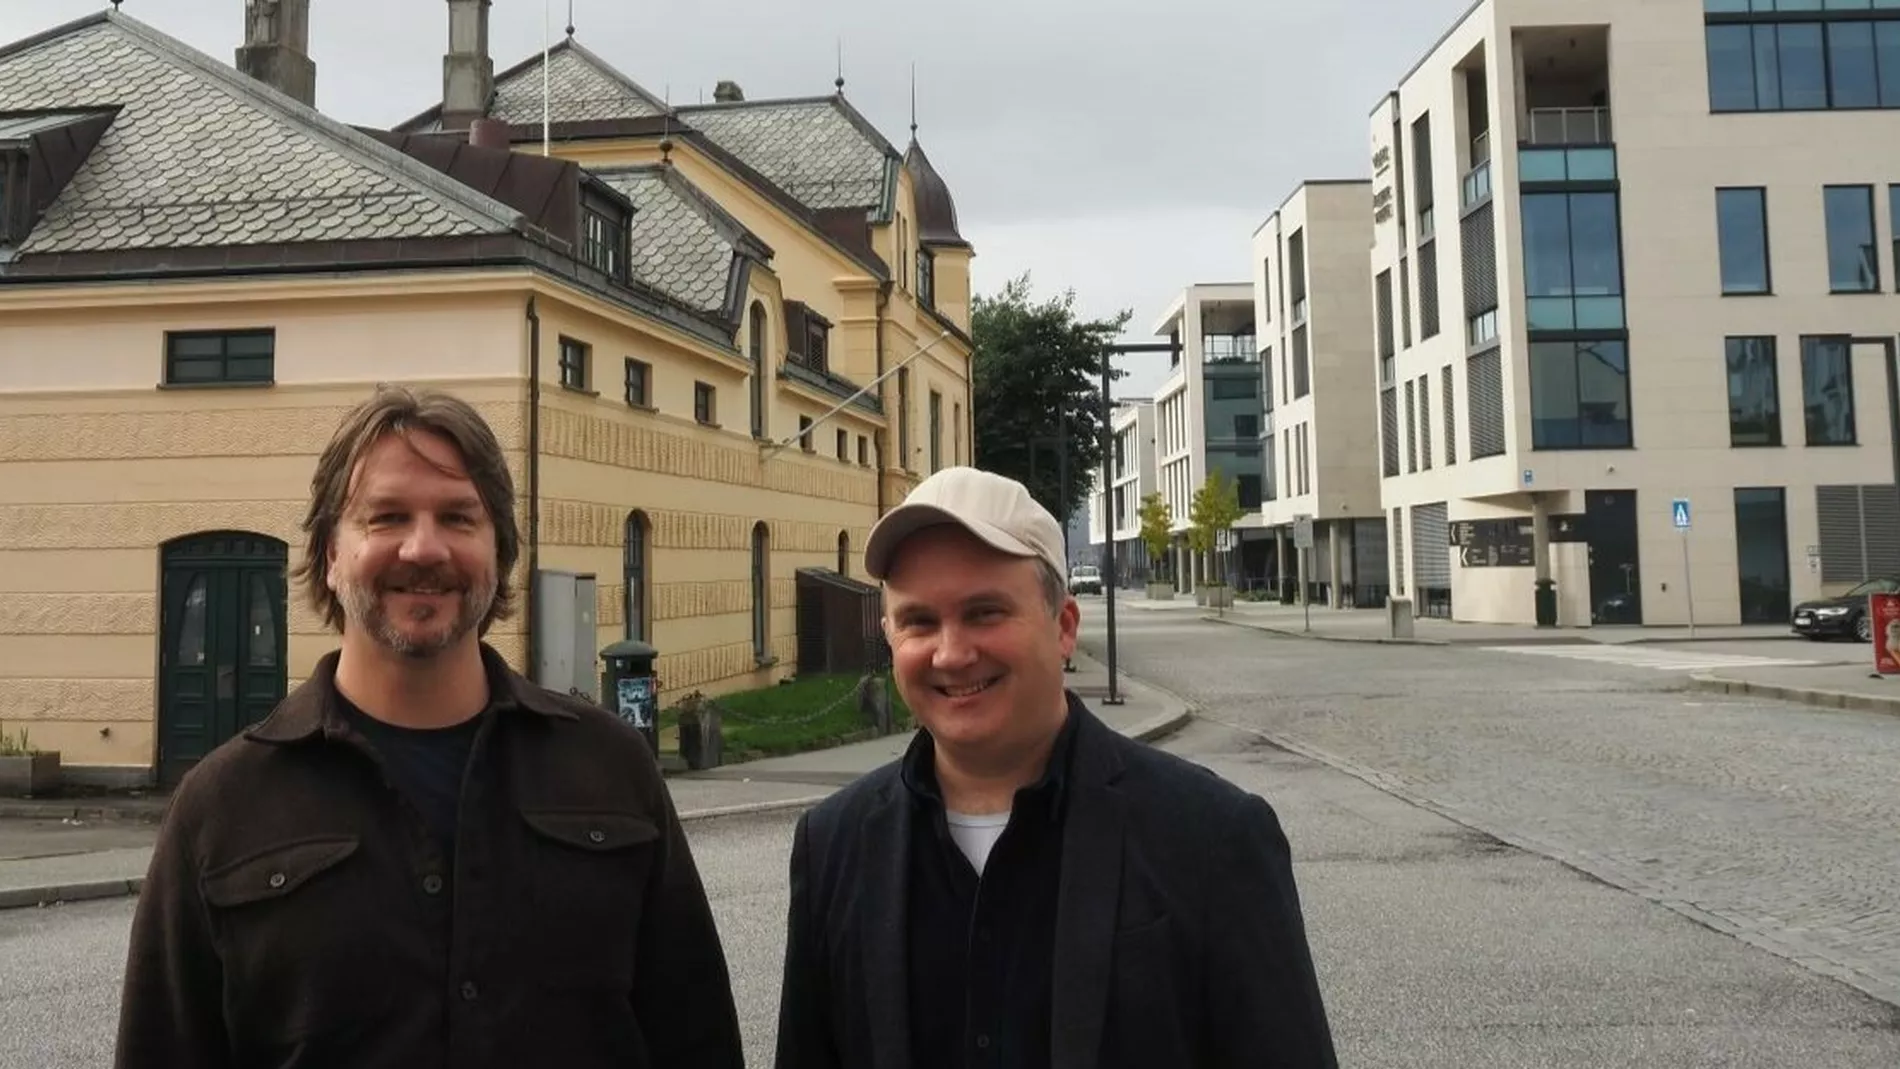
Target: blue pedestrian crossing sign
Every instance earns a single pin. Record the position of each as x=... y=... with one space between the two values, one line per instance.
x=1681 y=512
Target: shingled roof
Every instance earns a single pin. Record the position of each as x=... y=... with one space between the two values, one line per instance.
x=581 y=87
x=682 y=242
x=199 y=155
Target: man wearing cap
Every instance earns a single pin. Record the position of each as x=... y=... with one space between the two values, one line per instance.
x=1026 y=887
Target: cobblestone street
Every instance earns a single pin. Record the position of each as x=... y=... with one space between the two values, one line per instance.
x=1778 y=824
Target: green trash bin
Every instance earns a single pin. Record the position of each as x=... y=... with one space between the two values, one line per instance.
x=629 y=688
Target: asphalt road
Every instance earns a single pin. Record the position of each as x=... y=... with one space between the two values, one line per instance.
x=1438 y=945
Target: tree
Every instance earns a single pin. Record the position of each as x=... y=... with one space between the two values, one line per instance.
x=1038 y=383
x=1157 y=529
x=1215 y=507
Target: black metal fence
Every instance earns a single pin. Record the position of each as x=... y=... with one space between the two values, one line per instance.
x=839 y=624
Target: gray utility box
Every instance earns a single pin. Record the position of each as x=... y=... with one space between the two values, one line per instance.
x=566 y=633
x=1398 y=613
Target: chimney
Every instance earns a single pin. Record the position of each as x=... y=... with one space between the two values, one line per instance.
x=468 y=73
x=276 y=47
x=728 y=93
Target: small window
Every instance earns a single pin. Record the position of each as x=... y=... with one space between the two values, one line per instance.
x=864 y=451
x=639 y=383
x=1754 y=392
x=1827 y=390
x=573 y=364
x=844 y=446
x=604 y=240
x=1741 y=220
x=1853 y=259
x=817 y=337
x=207 y=358
x=804 y=433
x=705 y=406
x=926 y=278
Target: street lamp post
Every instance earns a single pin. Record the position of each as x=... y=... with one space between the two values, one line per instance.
x=1108 y=480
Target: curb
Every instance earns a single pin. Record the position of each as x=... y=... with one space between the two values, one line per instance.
x=1572 y=637
x=1823 y=699
x=747 y=809
x=1316 y=636
x=124 y=814
x=31 y=897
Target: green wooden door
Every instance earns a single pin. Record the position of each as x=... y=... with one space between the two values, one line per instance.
x=222 y=635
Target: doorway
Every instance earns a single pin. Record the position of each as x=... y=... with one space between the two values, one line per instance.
x=1761 y=548
x=222 y=632
x=1616 y=576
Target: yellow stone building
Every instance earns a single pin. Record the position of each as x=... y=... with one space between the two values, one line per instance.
x=670 y=317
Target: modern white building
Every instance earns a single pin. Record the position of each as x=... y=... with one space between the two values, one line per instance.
x=1132 y=477
x=1207 y=418
x=1320 y=430
x=1638 y=240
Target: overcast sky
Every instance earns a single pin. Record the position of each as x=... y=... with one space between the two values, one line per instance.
x=1098 y=144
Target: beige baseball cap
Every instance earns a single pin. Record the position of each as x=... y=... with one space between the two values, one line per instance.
x=994 y=508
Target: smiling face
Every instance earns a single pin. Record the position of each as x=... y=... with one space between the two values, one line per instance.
x=413 y=563
x=977 y=649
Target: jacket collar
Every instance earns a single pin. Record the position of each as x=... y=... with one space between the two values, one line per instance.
x=314 y=709
x=917 y=772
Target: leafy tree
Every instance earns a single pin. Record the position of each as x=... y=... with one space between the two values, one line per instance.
x=1157 y=529
x=1215 y=507
x=1038 y=371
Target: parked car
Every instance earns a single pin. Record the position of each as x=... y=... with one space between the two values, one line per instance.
x=1085 y=579
x=1844 y=616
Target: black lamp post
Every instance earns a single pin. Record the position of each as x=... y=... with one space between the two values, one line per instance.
x=1108 y=459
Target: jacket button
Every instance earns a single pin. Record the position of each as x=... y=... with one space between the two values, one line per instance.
x=596 y=836
x=468 y=991
x=432 y=884
x=277 y=879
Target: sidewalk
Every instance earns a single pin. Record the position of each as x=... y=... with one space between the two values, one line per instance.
x=1369 y=625
x=1832 y=686
x=69 y=850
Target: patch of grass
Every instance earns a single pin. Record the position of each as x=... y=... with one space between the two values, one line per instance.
x=786 y=718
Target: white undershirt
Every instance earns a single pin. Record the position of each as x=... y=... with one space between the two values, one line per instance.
x=976 y=834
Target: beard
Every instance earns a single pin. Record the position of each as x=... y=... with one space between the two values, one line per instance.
x=426 y=630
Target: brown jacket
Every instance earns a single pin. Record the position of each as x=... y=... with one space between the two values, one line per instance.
x=296 y=913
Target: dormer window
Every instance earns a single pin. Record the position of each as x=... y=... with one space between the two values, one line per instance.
x=605 y=237
x=13 y=196
x=808 y=336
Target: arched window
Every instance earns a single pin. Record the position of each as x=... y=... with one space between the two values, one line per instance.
x=844 y=552
x=761 y=593
x=758 y=369
x=634 y=573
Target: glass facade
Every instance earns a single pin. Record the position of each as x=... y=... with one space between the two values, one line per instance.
x=1232 y=409
x=1741 y=222
x=1573 y=264
x=1766 y=56
x=1580 y=395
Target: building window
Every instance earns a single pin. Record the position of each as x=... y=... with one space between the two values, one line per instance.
x=1411 y=428
x=1827 y=390
x=1428 y=290
x=1302 y=371
x=705 y=404
x=634 y=575
x=1405 y=304
x=1482 y=329
x=1248 y=489
x=956 y=432
x=1389 y=431
x=1425 y=421
x=864 y=451
x=1761 y=59
x=1754 y=397
x=1853 y=262
x=639 y=383
x=1580 y=395
x=761 y=593
x=205 y=358
x=804 y=433
x=1382 y=294
x=936 y=431
x=807 y=334
x=903 y=419
x=1741 y=222
x=574 y=364
x=1484 y=403
x=844 y=446
x=926 y=278
x=757 y=352
x=844 y=553
x=1573 y=263
x=1451 y=414
x=604 y=240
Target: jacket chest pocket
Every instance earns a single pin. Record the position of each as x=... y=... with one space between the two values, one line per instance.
x=587 y=889
x=295 y=926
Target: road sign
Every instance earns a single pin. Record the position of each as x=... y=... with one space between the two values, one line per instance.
x=1680 y=510
x=1224 y=539
x=1303 y=531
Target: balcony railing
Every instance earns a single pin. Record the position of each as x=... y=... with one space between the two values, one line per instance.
x=1476 y=187
x=1568 y=126
x=1481 y=149
x=1299 y=311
